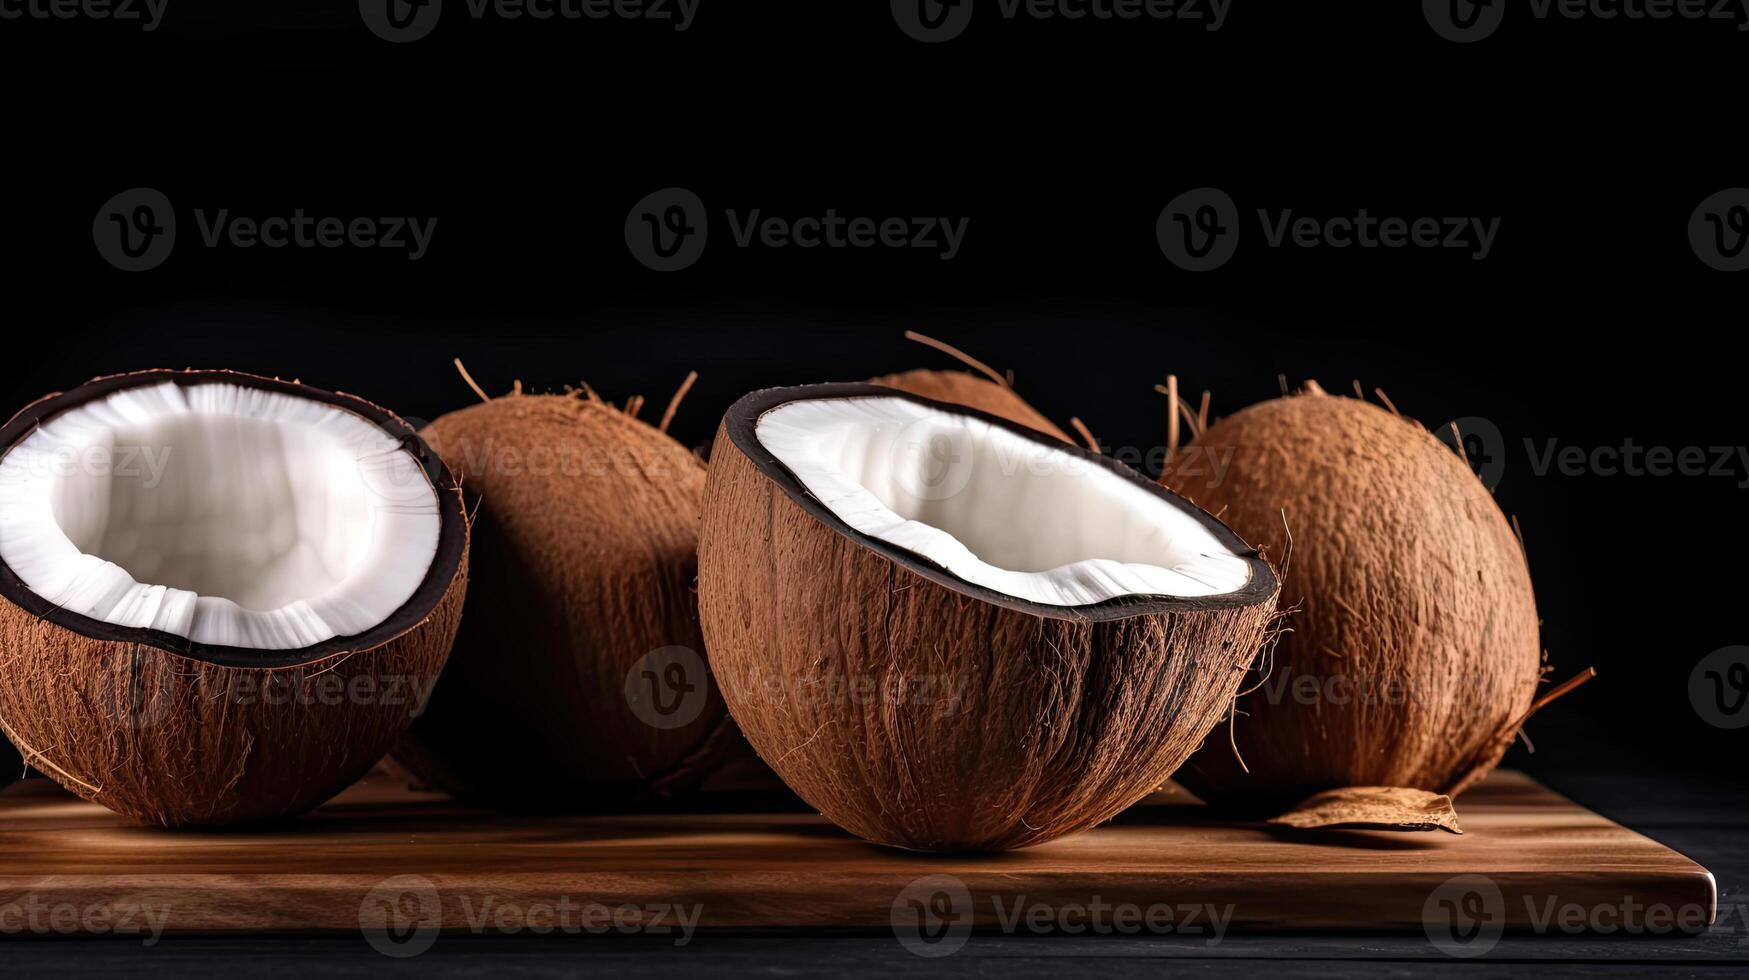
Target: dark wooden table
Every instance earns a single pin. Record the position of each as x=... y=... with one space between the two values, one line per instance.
x=1703 y=817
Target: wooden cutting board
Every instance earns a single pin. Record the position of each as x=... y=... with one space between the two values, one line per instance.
x=384 y=857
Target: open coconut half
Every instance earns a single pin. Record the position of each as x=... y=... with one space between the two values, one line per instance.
x=224 y=596
x=946 y=630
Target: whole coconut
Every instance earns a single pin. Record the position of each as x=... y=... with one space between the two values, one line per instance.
x=987 y=390
x=579 y=672
x=965 y=388
x=1414 y=650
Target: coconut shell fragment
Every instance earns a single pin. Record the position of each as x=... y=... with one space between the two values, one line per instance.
x=920 y=711
x=1372 y=808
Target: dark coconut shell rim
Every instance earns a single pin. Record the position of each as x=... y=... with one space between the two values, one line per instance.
x=743 y=417
x=451 y=543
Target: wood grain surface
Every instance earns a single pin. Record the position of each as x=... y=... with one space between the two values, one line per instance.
x=381 y=856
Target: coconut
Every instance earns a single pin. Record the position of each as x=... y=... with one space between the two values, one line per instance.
x=222 y=597
x=1413 y=652
x=946 y=630
x=579 y=675
x=969 y=390
x=986 y=391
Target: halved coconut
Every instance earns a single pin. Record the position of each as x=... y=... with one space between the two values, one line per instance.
x=946 y=630
x=225 y=596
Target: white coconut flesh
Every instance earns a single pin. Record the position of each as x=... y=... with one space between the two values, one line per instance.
x=226 y=514
x=995 y=508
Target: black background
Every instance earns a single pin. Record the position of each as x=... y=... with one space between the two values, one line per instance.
x=1592 y=321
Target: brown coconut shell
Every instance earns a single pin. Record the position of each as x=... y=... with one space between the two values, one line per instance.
x=968 y=390
x=585 y=553
x=1411 y=595
x=1006 y=723
x=177 y=733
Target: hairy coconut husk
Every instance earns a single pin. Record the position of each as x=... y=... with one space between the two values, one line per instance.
x=987 y=390
x=969 y=390
x=171 y=732
x=585 y=551
x=1411 y=595
x=918 y=711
